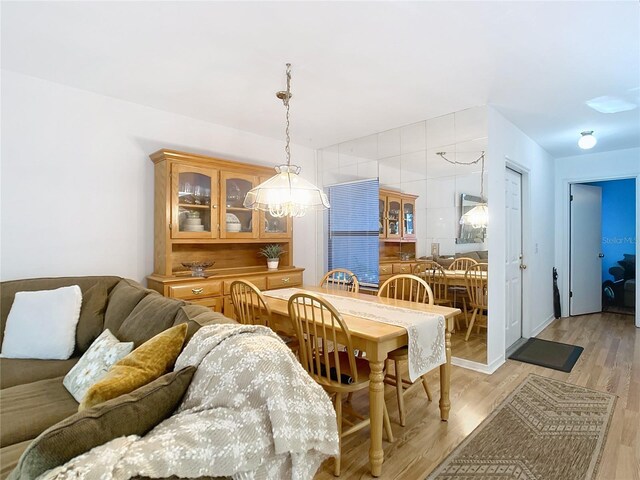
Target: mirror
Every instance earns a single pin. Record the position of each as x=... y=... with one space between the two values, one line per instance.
x=469 y=233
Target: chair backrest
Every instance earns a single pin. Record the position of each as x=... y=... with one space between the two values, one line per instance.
x=462 y=263
x=476 y=278
x=407 y=287
x=435 y=276
x=319 y=328
x=341 y=279
x=249 y=304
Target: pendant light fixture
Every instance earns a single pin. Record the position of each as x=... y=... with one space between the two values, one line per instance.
x=478 y=216
x=286 y=194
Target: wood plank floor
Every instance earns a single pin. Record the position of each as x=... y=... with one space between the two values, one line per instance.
x=609 y=363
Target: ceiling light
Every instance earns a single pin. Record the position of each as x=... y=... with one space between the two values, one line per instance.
x=609 y=104
x=286 y=194
x=587 y=140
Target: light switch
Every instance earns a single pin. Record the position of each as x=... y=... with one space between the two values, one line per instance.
x=435 y=249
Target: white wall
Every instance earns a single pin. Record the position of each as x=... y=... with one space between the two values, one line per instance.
x=587 y=168
x=77 y=182
x=509 y=146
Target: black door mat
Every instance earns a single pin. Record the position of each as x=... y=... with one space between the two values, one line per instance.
x=558 y=356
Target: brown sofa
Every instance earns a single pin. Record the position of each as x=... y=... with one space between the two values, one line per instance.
x=480 y=256
x=32 y=396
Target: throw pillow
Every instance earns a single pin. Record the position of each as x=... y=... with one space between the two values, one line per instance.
x=94 y=303
x=154 y=314
x=42 y=324
x=133 y=414
x=146 y=363
x=122 y=300
x=95 y=364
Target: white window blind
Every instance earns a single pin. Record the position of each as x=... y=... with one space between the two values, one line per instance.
x=353 y=229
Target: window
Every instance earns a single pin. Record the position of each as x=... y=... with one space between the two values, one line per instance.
x=353 y=229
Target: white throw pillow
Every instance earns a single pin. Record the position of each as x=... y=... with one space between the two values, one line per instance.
x=42 y=324
x=95 y=363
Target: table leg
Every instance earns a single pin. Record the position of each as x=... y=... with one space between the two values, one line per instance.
x=376 y=401
x=445 y=375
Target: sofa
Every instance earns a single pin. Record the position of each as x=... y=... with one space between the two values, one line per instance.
x=32 y=395
x=480 y=256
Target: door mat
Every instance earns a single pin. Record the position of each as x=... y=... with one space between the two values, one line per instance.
x=559 y=356
x=545 y=429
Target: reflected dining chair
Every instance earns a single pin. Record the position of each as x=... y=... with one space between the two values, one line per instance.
x=251 y=308
x=341 y=279
x=319 y=327
x=414 y=289
x=476 y=278
x=436 y=277
x=459 y=292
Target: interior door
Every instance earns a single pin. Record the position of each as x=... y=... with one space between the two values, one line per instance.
x=515 y=265
x=585 y=250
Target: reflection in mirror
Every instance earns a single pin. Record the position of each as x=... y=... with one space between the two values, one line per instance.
x=470 y=233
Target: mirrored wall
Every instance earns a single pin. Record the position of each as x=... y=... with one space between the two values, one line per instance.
x=439 y=161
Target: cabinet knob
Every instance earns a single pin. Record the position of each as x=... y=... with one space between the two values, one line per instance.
x=214 y=206
x=285 y=280
x=197 y=291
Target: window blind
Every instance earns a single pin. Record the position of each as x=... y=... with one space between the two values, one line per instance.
x=353 y=229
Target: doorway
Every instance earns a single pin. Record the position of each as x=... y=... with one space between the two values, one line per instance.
x=514 y=263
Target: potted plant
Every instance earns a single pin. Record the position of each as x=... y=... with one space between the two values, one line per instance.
x=272 y=252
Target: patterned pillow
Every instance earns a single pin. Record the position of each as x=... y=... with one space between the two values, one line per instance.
x=105 y=351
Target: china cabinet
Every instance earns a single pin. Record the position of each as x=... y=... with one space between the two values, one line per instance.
x=199 y=217
x=397 y=216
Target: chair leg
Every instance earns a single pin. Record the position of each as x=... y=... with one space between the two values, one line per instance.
x=473 y=319
x=400 y=393
x=464 y=309
x=338 y=405
x=426 y=387
x=387 y=422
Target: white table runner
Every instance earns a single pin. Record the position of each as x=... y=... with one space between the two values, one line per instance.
x=425 y=330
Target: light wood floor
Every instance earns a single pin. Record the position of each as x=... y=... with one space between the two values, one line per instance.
x=474 y=349
x=610 y=362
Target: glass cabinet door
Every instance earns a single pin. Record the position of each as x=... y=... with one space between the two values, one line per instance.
x=236 y=221
x=408 y=219
x=274 y=227
x=382 y=212
x=393 y=217
x=194 y=202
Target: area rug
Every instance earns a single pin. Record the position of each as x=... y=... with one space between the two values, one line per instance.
x=545 y=430
x=559 y=356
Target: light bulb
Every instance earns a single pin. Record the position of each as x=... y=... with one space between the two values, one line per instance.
x=587 y=140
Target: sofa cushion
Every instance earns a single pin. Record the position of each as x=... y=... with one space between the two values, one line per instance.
x=27 y=410
x=134 y=413
x=154 y=314
x=197 y=316
x=91 y=322
x=10 y=456
x=18 y=371
x=121 y=302
x=146 y=363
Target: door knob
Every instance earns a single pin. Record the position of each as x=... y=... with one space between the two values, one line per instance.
x=601 y=255
x=523 y=266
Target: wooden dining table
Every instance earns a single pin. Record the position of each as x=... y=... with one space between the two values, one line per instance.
x=377 y=339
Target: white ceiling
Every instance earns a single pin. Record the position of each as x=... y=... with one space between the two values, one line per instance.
x=359 y=68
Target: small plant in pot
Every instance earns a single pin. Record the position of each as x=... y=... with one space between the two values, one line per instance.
x=272 y=252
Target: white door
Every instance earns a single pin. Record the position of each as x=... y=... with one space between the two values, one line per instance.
x=585 y=274
x=515 y=265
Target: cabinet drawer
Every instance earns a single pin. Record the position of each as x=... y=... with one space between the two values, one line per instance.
x=260 y=282
x=402 y=268
x=284 y=280
x=195 y=290
x=214 y=303
x=385 y=269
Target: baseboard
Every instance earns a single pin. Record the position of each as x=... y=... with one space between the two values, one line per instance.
x=478 y=367
x=544 y=325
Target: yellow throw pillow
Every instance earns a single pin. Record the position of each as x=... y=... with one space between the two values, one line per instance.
x=153 y=358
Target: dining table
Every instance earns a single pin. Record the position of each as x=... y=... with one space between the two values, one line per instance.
x=376 y=339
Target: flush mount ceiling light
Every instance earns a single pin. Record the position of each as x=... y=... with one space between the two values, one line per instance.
x=609 y=104
x=478 y=216
x=587 y=140
x=286 y=194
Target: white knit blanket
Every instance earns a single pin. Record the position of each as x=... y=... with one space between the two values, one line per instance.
x=251 y=412
x=425 y=330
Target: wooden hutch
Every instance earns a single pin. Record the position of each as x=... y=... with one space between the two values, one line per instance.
x=199 y=217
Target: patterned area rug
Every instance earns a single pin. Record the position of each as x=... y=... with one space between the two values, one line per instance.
x=545 y=430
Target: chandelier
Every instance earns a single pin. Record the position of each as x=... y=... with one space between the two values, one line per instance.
x=286 y=194
x=478 y=216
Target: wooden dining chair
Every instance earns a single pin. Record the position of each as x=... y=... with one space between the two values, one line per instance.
x=251 y=308
x=319 y=327
x=419 y=291
x=340 y=279
x=459 y=292
x=476 y=278
x=436 y=277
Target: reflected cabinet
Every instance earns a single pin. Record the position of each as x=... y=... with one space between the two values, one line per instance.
x=397 y=216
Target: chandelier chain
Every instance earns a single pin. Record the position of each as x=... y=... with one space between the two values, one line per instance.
x=473 y=162
x=286 y=99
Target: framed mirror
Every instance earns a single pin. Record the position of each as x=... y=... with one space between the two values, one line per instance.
x=467 y=233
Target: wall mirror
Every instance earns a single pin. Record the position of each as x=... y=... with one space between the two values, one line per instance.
x=469 y=233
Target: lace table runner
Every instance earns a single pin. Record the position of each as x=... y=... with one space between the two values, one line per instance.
x=425 y=330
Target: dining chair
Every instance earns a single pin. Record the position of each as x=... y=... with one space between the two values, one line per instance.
x=420 y=292
x=251 y=308
x=319 y=327
x=476 y=278
x=433 y=273
x=340 y=279
x=459 y=292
